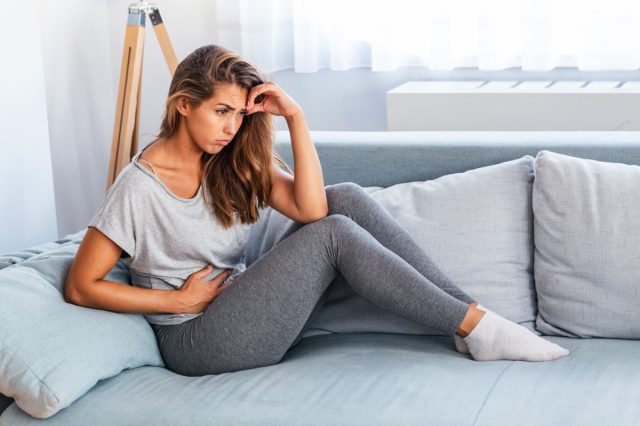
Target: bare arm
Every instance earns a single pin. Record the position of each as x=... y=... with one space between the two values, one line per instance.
x=308 y=183
x=85 y=284
x=301 y=197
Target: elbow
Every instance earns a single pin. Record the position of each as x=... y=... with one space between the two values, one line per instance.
x=319 y=215
x=315 y=213
x=71 y=295
x=324 y=212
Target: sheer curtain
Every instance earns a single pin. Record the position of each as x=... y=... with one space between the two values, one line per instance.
x=534 y=35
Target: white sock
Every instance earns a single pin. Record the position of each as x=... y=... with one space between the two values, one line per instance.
x=461 y=345
x=495 y=337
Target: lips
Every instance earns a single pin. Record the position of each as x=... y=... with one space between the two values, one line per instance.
x=223 y=142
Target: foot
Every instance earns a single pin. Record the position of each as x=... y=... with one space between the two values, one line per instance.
x=461 y=345
x=495 y=338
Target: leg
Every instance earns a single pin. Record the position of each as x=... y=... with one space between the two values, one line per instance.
x=469 y=322
x=254 y=322
x=352 y=200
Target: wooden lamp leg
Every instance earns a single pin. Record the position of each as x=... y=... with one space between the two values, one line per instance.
x=136 y=127
x=127 y=117
x=163 y=40
x=130 y=73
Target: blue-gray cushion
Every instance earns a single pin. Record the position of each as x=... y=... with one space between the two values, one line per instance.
x=375 y=379
x=52 y=352
x=587 y=239
x=19 y=256
x=475 y=225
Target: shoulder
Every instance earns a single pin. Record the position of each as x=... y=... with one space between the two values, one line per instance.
x=130 y=180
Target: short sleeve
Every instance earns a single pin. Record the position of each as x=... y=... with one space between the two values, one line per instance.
x=115 y=216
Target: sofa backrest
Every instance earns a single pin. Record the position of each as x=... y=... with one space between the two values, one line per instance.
x=387 y=158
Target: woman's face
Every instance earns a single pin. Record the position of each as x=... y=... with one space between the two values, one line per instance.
x=213 y=124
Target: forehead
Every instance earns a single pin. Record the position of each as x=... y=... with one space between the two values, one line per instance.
x=230 y=94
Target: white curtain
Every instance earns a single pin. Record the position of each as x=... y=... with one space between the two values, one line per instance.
x=535 y=35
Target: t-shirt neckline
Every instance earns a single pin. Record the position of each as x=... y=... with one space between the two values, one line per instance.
x=157 y=179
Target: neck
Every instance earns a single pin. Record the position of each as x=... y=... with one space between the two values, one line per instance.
x=182 y=151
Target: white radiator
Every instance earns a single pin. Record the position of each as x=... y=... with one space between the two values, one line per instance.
x=513 y=105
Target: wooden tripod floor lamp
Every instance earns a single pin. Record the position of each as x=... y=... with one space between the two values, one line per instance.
x=127 y=118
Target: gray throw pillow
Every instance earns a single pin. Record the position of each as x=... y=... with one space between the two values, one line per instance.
x=476 y=226
x=587 y=240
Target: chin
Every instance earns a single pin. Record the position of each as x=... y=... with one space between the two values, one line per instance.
x=213 y=149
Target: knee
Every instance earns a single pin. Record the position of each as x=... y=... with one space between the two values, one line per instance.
x=324 y=237
x=334 y=223
x=341 y=196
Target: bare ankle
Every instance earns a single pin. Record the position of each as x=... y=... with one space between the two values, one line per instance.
x=471 y=319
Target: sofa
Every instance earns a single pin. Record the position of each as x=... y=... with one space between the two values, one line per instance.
x=542 y=228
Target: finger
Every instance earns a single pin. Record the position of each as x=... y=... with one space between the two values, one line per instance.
x=222 y=276
x=223 y=285
x=256 y=108
x=204 y=271
x=255 y=92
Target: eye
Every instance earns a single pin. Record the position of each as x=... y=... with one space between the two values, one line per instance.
x=222 y=111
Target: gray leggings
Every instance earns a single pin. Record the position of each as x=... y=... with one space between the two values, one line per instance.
x=262 y=314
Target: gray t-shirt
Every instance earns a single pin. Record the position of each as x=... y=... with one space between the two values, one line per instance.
x=166 y=238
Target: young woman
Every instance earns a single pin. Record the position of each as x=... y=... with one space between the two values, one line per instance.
x=180 y=213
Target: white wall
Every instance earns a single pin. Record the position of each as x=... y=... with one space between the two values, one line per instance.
x=82 y=43
x=28 y=214
x=80 y=102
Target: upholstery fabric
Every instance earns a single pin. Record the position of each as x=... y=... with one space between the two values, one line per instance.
x=587 y=239
x=52 y=352
x=375 y=379
x=475 y=225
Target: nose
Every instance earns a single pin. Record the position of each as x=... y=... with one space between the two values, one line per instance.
x=231 y=125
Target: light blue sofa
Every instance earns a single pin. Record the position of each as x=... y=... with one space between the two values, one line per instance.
x=387 y=378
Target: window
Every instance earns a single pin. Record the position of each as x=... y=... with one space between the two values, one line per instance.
x=536 y=35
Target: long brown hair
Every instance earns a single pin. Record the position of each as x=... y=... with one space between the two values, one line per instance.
x=238 y=178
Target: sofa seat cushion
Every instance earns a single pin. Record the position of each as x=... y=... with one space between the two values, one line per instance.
x=374 y=379
x=598 y=384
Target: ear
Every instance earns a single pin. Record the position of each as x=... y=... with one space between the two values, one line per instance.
x=182 y=105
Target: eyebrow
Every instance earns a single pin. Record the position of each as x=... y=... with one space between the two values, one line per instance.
x=230 y=107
